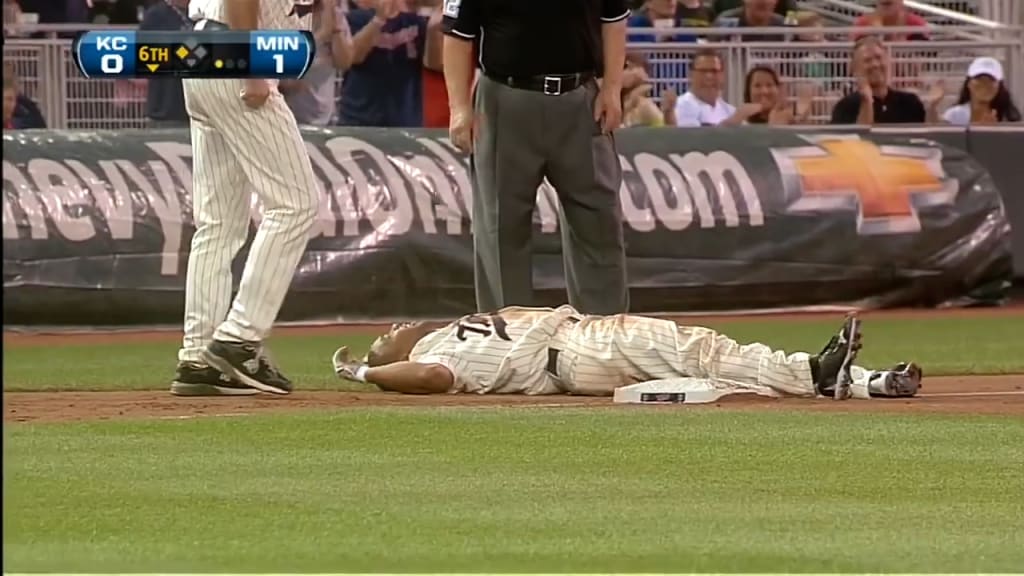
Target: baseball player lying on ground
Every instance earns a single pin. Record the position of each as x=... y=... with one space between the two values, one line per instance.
x=560 y=351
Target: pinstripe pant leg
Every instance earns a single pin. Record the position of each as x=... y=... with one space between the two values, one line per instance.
x=704 y=353
x=270 y=151
x=220 y=210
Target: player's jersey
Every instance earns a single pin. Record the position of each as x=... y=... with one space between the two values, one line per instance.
x=502 y=353
x=274 y=14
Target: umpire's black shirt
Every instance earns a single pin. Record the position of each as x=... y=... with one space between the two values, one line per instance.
x=522 y=38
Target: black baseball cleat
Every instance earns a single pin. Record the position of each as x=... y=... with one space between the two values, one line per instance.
x=903 y=381
x=248 y=364
x=831 y=368
x=191 y=379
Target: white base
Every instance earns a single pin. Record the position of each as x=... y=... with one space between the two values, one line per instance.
x=674 y=391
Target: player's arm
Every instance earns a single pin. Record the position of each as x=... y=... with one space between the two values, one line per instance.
x=242 y=14
x=404 y=377
x=245 y=15
x=411 y=378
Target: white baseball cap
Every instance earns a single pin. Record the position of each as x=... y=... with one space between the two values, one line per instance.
x=985 y=66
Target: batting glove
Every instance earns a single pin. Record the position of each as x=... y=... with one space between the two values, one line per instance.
x=347 y=368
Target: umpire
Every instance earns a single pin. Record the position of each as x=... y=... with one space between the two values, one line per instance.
x=538 y=110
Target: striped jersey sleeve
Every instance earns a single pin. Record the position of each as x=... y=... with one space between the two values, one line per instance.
x=501 y=353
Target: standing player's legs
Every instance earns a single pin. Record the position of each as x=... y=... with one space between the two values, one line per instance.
x=220 y=203
x=507 y=170
x=270 y=151
x=584 y=168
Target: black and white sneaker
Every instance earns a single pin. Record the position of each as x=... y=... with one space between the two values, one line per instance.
x=247 y=363
x=831 y=368
x=903 y=381
x=192 y=379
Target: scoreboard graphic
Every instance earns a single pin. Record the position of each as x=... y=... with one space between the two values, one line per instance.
x=282 y=54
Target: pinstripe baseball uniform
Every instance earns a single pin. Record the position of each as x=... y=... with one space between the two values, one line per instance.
x=236 y=151
x=554 y=351
x=503 y=353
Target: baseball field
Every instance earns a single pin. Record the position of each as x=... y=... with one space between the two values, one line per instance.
x=104 y=471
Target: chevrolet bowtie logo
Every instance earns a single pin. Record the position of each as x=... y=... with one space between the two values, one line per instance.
x=885 y=185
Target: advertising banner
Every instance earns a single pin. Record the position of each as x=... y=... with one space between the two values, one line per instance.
x=97 y=225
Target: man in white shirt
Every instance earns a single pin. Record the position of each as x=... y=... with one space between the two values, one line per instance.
x=703 y=105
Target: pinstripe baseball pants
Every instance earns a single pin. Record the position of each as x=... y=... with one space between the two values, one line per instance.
x=235 y=151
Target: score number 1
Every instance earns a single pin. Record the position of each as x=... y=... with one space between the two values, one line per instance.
x=280 y=53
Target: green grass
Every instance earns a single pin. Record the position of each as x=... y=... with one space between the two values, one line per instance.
x=514 y=490
x=504 y=490
x=941 y=345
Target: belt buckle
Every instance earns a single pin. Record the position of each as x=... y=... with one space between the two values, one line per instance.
x=552 y=85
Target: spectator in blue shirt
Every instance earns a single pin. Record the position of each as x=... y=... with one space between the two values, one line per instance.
x=384 y=86
x=670 y=14
x=668 y=68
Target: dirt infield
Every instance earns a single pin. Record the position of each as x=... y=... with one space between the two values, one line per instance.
x=988 y=395
x=992 y=395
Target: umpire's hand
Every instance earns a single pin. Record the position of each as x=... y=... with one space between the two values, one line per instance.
x=460 y=129
x=608 y=108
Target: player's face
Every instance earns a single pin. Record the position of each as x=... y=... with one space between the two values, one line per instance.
x=400 y=340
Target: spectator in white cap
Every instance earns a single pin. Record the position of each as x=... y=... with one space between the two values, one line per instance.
x=984 y=98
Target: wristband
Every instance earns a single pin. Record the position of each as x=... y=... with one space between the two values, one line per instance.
x=361 y=373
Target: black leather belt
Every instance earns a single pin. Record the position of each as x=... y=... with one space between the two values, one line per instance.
x=552 y=84
x=553 y=353
x=553 y=361
x=207 y=24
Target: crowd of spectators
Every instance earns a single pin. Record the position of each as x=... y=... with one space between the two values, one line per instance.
x=867 y=86
x=378 y=64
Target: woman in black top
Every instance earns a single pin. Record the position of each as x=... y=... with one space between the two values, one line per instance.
x=763 y=86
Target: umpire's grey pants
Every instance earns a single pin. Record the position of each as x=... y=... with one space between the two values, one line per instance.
x=523 y=136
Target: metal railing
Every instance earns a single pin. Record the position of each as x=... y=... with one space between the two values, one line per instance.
x=70 y=101
x=936 y=12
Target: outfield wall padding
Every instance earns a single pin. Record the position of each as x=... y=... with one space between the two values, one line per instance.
x=97 y=224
